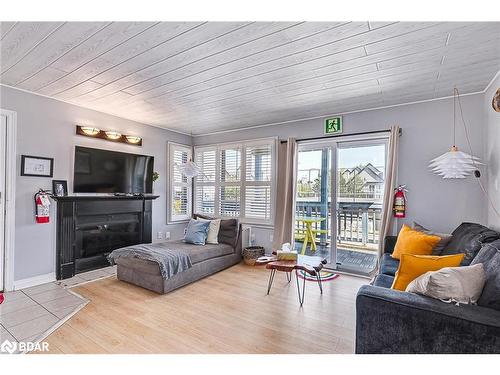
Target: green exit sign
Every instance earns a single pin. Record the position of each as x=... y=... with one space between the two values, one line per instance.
x=333 y=125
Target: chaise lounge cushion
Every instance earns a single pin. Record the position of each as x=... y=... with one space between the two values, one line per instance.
x=468 y=239
x=489 y=256
x=388 y=265
x=196 y=253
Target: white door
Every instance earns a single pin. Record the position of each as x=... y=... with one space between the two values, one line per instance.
x=3 y=132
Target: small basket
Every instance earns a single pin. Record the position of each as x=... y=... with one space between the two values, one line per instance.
x=252 y=253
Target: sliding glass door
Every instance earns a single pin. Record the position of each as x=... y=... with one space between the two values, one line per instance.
x=339 y=199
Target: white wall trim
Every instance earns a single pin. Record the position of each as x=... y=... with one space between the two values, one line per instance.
x=328 y=115
x=34 y=281
x=95 y=110
x=10 y=198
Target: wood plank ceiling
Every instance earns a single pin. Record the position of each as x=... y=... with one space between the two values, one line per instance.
x=202 y=77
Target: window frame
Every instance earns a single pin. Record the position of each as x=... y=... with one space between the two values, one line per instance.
x=243 y=183
x=171 y=219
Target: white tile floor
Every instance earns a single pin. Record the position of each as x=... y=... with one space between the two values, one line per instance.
x=33 y=313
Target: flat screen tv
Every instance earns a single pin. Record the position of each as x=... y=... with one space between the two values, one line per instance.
x=103 y=171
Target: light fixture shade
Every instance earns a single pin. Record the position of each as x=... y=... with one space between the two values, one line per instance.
x=189 y=169
x=112 y=134
x=90 y=130
x=454 y=164
x=133 y=139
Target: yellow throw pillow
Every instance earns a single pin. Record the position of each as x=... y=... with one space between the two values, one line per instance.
x=411 y=241
x=412 y=266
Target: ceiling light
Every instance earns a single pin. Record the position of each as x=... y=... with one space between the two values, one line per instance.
x=113 y=135
x=454 y=163
x=189 y=169
x=90 y=130
x=133 y=139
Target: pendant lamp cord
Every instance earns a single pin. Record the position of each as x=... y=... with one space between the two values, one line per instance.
x=478 y=178
x=455 y=94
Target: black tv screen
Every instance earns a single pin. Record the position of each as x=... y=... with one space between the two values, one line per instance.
x=102 y=171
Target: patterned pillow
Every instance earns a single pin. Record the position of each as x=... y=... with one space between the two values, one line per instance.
x=196 y=232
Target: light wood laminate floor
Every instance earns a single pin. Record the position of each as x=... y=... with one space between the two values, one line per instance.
x=228 y=312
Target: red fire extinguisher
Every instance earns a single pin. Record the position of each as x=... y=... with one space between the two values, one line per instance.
x=42 y=204
x=399 y=206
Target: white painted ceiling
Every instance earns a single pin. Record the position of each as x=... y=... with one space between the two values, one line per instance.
x=202 y=77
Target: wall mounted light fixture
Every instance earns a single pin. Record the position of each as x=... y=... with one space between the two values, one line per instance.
x=133 y=139
x=108 y=135
x=90 y=130
x=111 y=134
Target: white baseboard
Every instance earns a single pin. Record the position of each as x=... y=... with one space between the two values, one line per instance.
x=34 y=281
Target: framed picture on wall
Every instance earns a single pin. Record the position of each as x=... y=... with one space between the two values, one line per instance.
x=37 y=166
x=59 y=188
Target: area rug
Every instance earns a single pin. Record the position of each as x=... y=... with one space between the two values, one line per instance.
x=325 y=276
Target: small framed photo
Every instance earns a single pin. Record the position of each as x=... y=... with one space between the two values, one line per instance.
x=59 y=188
x=37 y=166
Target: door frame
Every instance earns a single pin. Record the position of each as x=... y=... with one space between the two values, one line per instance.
x=335 y=143
x=10 y=198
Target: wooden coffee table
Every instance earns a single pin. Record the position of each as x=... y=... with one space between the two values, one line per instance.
x=311 y=265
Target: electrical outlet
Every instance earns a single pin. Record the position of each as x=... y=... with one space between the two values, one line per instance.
x=159 y=236
x=167 y=235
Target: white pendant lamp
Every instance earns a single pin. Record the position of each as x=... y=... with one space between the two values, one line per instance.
x=454 y=163
x=189 y=169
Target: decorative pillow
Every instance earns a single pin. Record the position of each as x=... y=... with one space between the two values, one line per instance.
x=445 y=238
x=228 y=230
x=196 y=232
x=468 y=238
x=412 y=266
x=489 y=256
x=412 y=241
x=451 y=284
x=213 y=230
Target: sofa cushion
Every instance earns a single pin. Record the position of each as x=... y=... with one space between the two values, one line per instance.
x=383 y=281
x=468 y=239
x=451 y=284
x=445 y=238
x=414 y=242
x=388 y=265
x=412 y=266
x=228 y=230
x=489 y=256
x=196 y=232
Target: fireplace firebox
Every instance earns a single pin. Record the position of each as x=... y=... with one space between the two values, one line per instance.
x=90 y=227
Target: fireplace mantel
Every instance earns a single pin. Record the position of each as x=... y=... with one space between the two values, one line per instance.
x=90 y=226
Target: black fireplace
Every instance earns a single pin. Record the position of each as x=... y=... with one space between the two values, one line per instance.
x=90 y=227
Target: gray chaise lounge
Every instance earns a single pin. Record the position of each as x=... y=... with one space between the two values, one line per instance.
x=207 y=260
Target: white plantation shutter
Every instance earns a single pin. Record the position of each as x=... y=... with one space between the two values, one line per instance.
x=206 y=160
x=237 y=180
x=230 y=181
x=180 y=185
x=259 y=168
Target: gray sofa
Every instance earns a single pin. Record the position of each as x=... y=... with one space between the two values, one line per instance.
x=206 y=259
x=391 y=321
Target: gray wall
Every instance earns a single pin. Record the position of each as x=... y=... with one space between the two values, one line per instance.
x=46 y=127
x=492 y=121
x=427 y=132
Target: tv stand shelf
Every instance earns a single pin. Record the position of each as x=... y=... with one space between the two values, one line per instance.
x=89 y=227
